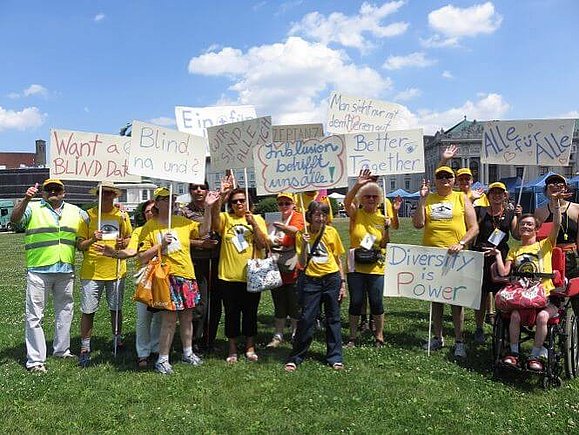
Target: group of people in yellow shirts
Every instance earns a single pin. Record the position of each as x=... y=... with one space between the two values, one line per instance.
x=207 y=249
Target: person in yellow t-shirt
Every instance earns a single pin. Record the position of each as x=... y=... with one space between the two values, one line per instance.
x=369 y=229
x=148 y=323
x=98 y=273
x=464 y=179
x=531 y=256
x=174 y=243
x=449 y=221
x=241 y=233
x=322 y=280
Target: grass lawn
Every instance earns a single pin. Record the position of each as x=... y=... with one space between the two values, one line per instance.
x=395 y=389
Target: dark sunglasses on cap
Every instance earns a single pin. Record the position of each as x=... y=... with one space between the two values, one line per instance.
x=238 y=201
x=444 y=176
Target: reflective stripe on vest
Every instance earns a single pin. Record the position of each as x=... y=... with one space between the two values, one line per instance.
x=48 y=242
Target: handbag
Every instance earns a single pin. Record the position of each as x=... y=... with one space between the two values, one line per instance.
x=366 y=256
x=153 y=286
x=521 y=294
x=262 y=274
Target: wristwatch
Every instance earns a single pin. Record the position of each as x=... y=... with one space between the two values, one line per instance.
x=462 y=243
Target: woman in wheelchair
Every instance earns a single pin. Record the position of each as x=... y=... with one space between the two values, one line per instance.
x=532 y=258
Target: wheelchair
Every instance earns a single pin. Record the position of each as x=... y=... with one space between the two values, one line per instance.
x=562 y=341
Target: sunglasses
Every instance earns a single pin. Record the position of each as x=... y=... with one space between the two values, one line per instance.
x=198 y=187
x=238 y=201
x=282 y=203
x=444 y=176
x=559 y=185
x=372 y=196
x=53 y=188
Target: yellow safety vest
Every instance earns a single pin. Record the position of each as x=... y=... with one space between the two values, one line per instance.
x=48 y=242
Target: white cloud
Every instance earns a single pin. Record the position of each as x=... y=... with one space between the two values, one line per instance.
x=351 y=31
x=30 y=117
x=408 y=94
x=489 y=106
x=570 y=114
x=288 y=79
x=99 y=17
x=163 y=121
x=417 y=59
x=447 y=75
x=35 y=90
x=452 y=23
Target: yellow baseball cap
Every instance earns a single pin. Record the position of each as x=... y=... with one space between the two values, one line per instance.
x=464 y=171
x=288 y=195
x=497 y=185
x=161 y=192
x=443 y=169
x=52 y=181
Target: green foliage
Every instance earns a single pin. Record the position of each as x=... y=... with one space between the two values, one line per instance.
x=266 y=205
x=334 y=205
x=396 y=389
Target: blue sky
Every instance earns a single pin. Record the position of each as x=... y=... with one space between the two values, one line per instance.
x=93 y=65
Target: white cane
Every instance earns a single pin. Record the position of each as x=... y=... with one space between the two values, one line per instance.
x=117 y=295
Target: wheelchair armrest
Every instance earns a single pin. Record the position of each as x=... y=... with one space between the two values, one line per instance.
x=573 y=287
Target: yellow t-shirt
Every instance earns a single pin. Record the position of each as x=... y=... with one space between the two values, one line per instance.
x=483 y=201
x=177 y=255
x=96 y=266
x=325 y=260
x=236 y=246
x=533 y=258
x=371 y=224
x=134 y=242
x=445 y=221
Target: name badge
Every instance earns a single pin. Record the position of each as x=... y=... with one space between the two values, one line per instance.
x=368 y=241
x=496 y=237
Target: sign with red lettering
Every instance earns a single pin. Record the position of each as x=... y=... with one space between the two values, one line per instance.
x=432 y=274
x=78 y=155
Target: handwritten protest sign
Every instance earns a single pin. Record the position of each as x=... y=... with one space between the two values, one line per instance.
x=296 y=166
x=391 y=152
x=196 y=120
x=231 y=145
x=78 y=155
x=166 y=154
x=286 y=133
x=545 y=142
x=349 y=114
x=431 y=274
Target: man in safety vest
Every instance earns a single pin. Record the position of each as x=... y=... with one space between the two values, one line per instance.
x=51 y=226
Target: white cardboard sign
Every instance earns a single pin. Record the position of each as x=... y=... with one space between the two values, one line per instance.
x=196 y=120
x=390 y=152
x=312 y=164
x=545 y=142
x=79 y=155
x=432 y=274
x=159 y=152
x=286 y=133
x=231 y=145
x=350 y=114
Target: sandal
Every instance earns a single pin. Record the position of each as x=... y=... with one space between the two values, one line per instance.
x=535 y=365
x=290 y=367
x=251 y=356
x=511 y=360
x=231 y=359
x=338 y=366
x=142 y=362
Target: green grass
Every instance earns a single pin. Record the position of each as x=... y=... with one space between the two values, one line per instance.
x=396 y=389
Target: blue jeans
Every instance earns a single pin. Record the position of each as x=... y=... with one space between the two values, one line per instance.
x=361 y=283
x=312 y=291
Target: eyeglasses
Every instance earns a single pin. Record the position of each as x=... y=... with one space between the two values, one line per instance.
x=444 y=176
x=372 y=196
x=197 y=187
x=282 y=203
x=238 y=201
x=558 y=185
x=53 y=188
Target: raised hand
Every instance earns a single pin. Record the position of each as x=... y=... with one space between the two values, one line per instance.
x=397 y=203
x=211 y=198
x=31 y=191
x=449 y=152
x=364 y=177
x=425 y=188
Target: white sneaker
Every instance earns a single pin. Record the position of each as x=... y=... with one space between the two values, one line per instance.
x=164 y=368
x=192 y=359
x=435 y=344
x=459 y=350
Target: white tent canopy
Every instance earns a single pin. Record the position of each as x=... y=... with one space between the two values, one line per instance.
x=336 y=195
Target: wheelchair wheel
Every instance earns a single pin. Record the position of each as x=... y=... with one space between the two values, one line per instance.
x=571 y=344
x=553 y=369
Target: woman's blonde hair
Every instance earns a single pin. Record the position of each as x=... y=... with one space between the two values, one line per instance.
x=370 y=187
